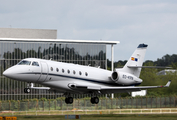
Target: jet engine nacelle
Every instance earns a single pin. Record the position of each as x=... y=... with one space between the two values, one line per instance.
x=125 y=78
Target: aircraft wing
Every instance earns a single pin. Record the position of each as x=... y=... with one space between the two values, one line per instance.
x=128 y=88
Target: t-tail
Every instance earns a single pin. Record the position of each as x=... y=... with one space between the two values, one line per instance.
x=133 y=65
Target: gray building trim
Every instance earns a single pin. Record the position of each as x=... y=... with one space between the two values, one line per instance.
x=28 y=33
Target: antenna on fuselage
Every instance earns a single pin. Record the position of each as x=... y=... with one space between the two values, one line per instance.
x=50 y=58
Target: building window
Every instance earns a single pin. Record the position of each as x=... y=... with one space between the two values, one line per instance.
x=68 y=71
x=74 y=72
x=63 y=70
x=57 y=69
x=86 y=74
x=51 y=68
x=80 y=73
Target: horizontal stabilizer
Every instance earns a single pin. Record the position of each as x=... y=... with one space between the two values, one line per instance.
x=168 y=84
x=162 y=67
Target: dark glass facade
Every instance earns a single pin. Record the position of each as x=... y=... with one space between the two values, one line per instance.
x=12 y=52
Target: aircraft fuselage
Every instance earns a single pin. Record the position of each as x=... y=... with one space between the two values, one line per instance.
x=60 y=75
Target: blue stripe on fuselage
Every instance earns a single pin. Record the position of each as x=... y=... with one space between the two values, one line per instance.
x=84 y=79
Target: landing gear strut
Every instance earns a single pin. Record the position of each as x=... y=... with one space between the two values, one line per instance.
x=94 y=100
x=69 y=100
x=27 y=90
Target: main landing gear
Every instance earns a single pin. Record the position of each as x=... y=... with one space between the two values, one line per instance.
x=94 y=100
x=69 y=100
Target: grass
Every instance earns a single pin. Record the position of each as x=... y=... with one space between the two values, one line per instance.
x=105 y=117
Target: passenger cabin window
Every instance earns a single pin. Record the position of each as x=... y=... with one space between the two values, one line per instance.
x=51 y=68
x=24 y=62
x=74 y=72
x=68 y=71
x=35 y=64
x=80 y=73
x=63 y=70
x=57 y=69
x=86 y=74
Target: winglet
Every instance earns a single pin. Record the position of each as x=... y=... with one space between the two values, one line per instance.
x=168 y=84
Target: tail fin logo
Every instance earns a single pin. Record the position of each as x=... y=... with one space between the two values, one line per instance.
x=134 y=59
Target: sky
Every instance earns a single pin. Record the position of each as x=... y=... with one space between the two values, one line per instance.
x=153 y=22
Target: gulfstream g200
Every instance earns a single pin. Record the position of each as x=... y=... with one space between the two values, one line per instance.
x=71 y=79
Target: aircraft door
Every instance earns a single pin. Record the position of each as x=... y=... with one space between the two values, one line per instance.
x=44 y=71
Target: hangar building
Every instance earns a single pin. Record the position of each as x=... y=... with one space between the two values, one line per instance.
x=17 y=44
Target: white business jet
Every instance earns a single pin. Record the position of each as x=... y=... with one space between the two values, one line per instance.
x=71 y=79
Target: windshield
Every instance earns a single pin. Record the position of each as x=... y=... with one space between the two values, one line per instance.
x=35 y=64
x=24 y=62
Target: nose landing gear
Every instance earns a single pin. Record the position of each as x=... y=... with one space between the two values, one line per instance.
x=27 y=90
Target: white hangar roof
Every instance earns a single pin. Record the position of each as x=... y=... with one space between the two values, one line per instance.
x=60 y=41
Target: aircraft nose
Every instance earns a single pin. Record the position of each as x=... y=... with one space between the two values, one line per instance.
x=10 y=72
x=7 y=73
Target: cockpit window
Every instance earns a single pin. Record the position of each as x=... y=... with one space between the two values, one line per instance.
x=35 y=64
x=24 y=62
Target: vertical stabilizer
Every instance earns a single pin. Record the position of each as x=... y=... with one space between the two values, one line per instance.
x=136 y=59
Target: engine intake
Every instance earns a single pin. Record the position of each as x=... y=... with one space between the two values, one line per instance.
x=115 y=76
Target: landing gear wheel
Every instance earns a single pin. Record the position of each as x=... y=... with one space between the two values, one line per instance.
x=94 y=100
x=68 y=100
x=27 y=90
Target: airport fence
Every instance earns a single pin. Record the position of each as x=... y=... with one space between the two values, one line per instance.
x=84 y=104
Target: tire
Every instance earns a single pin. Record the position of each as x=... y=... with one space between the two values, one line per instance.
x=66 y=100
x=70 y=100
x=96 y=100
x=92 y=100
x=27 y=90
